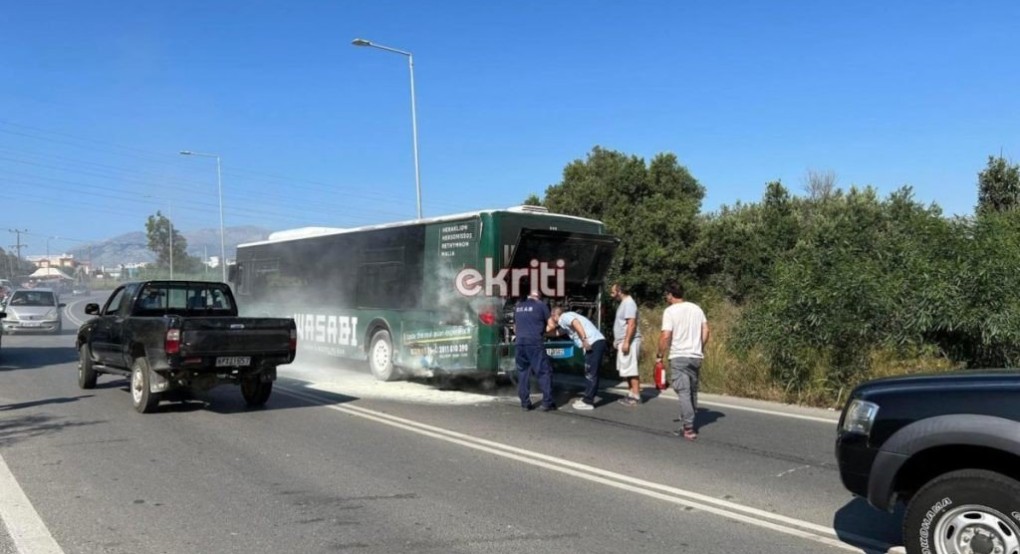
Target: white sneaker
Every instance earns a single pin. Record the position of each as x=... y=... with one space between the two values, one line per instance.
x=580 y=404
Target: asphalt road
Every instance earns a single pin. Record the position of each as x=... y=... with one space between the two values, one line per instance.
x=339 y=463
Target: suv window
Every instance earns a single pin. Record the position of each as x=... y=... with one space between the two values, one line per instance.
x=113 y=304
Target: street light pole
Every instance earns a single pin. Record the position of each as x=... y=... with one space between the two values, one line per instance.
x=414 y=113
x=219 y=186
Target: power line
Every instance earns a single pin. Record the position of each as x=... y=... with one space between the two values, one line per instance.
x=19 y=246
x=161 y=158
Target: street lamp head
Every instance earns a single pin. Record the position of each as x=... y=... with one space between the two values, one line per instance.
x=186 y=152
x=361 y=42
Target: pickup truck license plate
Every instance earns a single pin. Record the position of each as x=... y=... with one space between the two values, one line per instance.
x=233 y=361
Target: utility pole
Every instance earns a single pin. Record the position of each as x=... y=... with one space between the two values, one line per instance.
x=19 y=246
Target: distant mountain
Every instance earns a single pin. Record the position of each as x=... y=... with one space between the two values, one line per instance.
x=133 y=248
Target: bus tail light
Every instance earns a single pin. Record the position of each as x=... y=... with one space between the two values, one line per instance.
x=487 y=318
x=172 y=344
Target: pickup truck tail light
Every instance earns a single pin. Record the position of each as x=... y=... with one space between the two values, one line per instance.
x=293 y=340
x=172 y=344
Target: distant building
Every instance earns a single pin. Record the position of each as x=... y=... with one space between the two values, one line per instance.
x=55 y=260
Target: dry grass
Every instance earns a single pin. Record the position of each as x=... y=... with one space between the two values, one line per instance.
x=748 y=376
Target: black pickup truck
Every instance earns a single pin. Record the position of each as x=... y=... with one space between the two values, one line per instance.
x=168 y=335
x=948 y=446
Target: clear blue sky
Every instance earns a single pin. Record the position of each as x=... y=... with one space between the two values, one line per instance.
x=97 y=98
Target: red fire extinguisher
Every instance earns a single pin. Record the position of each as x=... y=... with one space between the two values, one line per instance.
x=660 y=376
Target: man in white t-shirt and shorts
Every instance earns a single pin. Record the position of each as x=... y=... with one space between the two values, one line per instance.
x=627 y=342
x=684 y=336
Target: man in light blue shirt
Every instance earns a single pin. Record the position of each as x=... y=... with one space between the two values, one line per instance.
x=587 y=337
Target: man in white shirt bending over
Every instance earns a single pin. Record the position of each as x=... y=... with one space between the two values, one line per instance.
x=588 y=338
x=684 y=336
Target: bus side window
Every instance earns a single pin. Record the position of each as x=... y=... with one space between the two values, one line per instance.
x=382 y=285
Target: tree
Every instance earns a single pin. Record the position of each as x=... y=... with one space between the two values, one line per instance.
x=998 y=186
x=532 y=200
x=820 y=185
x=157 y=229
x=655 y=206
x=12 y=267
x=739 y=246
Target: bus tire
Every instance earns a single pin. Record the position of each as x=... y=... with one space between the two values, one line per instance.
x=380 y=356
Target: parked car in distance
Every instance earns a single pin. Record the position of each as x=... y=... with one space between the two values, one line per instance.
x=80 y=289
x=167 y=335
x=33 y=311
x=947 y=446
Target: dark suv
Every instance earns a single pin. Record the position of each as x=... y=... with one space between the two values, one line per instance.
x=948 y=446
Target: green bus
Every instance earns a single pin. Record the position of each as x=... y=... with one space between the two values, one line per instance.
x=428 y=297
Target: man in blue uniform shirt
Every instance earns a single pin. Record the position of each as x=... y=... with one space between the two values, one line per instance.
x=530 y=318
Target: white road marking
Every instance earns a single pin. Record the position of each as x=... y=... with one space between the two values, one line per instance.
x=768 y=412
x=70 y=314
x=26 y=528
x=789 y=471
x=753 y=516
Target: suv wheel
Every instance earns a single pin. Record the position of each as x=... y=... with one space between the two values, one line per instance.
x=964 y=511
x=86 y=373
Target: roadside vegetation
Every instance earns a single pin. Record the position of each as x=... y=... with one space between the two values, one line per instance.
x=810 y=294
x=12 y=267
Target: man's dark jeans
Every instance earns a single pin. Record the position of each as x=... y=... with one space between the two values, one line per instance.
x=532 y=359
x=592 y=363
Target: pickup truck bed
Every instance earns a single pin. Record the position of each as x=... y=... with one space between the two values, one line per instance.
x=166 y=335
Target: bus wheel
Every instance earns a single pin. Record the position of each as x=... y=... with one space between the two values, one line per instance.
x=380 y=356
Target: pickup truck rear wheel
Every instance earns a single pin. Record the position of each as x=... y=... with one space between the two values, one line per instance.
x=86 y=374
x=380 y=356
x=254 y=391
x=972 y=511
x=142 y=397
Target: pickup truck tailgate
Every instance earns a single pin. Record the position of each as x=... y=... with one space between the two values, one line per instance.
x=215 y=336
